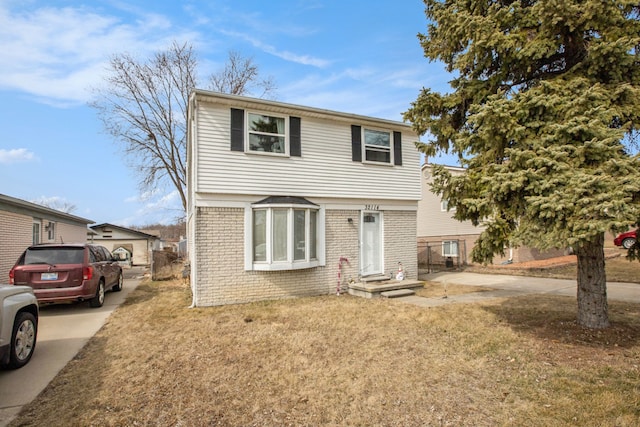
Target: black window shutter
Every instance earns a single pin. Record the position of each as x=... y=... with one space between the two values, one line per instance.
x=397 y=148
x=295 y=148
x=356 y=143
x=237 y=129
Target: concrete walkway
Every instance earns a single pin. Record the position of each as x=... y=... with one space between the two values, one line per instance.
x=507 y=286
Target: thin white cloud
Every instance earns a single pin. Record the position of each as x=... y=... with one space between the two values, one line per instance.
x=16 y=155
x=286 y=55
x=59 y=53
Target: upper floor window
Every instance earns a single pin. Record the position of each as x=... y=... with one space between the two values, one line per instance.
x=257 y=132
x=377 y=146
x=266 y=133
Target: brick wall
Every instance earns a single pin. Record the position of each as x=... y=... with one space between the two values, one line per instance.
x=219 y=252
x=16 y=234
x=399 y=242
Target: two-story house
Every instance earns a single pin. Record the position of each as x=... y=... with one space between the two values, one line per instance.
x=286 y=200
x=441 y=238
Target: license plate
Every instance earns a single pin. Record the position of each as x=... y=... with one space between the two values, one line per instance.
x=49 y=276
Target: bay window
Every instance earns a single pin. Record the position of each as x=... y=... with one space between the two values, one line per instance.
x=283 y=233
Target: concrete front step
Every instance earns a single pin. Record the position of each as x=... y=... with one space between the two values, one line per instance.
x=397 y=293
x=375 y=289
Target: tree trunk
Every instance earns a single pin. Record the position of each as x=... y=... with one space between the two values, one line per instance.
x=592 y=285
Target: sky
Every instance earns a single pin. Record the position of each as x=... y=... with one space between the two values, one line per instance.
x=357 y=56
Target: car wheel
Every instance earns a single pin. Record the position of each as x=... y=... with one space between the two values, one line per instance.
x=98 y=300
x=628 y=242
x=23 y=340
x=118 y=286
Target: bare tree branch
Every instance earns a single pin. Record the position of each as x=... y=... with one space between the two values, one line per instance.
x=55 y=203
x=144 y=106
x=241 y=76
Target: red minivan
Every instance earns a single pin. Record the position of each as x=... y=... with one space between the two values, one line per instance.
x=68 y=272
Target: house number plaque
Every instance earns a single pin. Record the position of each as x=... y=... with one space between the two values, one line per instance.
x=371 y=207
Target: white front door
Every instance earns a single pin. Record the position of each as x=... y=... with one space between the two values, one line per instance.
x=371 y=244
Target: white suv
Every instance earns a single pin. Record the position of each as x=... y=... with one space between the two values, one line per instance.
x=18 y=325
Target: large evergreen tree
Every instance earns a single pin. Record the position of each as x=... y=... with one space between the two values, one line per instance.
x=544 y=104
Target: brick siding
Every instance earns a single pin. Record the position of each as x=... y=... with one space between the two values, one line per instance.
x=219 y=252
x=399 y=242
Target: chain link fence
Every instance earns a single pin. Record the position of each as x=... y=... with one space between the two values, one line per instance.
x=439 y=255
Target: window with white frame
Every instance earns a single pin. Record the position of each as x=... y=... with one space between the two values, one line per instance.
x=284 y=236
x=51 y=231
x=266 y=133
x=450 y=248
x=36 y=232
x=444 y=206
x=377 y=146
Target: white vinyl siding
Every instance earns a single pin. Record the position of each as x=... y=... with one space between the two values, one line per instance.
x=433 y=218
x=325 y=168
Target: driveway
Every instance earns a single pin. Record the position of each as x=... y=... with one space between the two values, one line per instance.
x=505 y=286
x=62 y=331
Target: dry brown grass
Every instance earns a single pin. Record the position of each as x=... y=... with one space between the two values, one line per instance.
x=347 y=361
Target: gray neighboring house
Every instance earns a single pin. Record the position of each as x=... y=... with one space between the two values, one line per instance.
x=120 y=240
x=23 y=224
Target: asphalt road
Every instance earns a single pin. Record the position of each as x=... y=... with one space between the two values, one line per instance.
x=62 y=331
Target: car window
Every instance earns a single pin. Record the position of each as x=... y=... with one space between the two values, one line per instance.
x=54 y=256
x=96 y=254
x=106 y=253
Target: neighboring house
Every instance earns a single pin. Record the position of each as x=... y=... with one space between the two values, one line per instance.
x=443 y=240
x=120 y=239
x=23 y=224
x=286 y=200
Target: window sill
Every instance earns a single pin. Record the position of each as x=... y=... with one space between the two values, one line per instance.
x=371 y=162
x=280 y=266
x=266 y=153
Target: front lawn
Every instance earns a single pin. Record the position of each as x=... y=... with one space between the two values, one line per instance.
x=347 y=361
